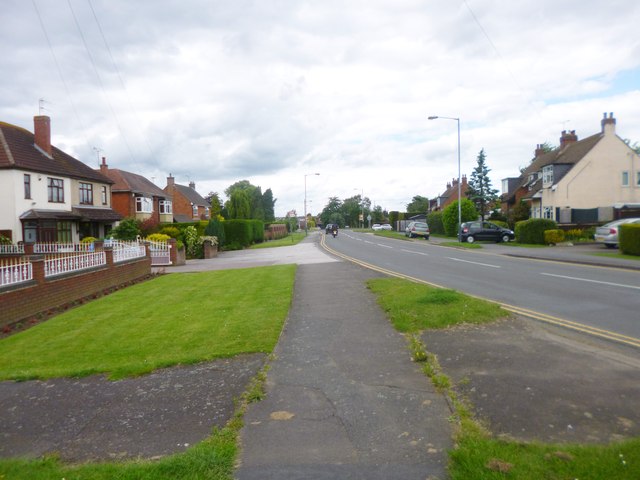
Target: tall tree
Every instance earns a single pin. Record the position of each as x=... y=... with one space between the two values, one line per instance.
x=418 y=204
x=331 y=211
x=268 y=204
x=238 y=206
x=216 y=204
x=480 y=190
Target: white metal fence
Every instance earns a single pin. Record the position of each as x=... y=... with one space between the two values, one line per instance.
x=62 y=247
x=13 y=271
x=160 y=253
x=61 y=264
x=123 y=251
x=11 y=249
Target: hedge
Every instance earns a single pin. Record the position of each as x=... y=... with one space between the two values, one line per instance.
x=434 y=220
x=629 y=238
x=532 y=230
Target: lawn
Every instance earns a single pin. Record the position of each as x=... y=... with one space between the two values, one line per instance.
x=172 y=319
x=412 y=307
x=287 y=241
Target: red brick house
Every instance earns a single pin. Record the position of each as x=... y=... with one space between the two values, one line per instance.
x=450 y=195
x=134 y=196
x=188 y=205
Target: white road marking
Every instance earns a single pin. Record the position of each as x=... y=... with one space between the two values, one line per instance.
x=415 y=253
x=592 y=281
x=385 y=246
x=475 y=263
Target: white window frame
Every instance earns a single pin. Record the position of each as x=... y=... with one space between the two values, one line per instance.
x=547 y=212
x=637 y=179
x=194 y=210
x=144 y=205
x=165 y=206
x=547 y=176
x=625 y=178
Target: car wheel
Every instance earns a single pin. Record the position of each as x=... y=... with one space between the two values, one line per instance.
x=426 y=237
x=470 y=239
x=505 y=238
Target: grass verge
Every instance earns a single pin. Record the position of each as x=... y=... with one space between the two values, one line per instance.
x=412 y=307
x=291 y=239
x=173 y=319
x=618 y=255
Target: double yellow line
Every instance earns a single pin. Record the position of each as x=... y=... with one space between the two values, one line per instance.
x=543 y=317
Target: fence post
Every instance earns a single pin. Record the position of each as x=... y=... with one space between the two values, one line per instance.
x=108 y=254
x=37 y=266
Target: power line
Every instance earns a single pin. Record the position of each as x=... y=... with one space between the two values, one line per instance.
x=104 y=92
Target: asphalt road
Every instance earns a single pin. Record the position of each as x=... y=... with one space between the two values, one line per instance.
x=598 y=297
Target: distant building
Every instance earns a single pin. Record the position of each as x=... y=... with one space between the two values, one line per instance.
x=188 y=205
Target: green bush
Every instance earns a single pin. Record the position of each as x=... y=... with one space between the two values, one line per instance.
x=127 y=229
x=553 y=237
x=629 y=238
x=215 y=229
x=237 y=232
x=5 y=241
x=532 y=230
x=257 y=231
x=158 y=237
x=173 y=232
x=86 y=240
x=434 y=220
x=468 y=212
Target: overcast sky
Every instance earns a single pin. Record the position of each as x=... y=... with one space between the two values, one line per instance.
x=216 y=91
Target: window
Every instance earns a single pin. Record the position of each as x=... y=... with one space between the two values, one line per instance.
x=55 y=190
x=547 y=175
x=63 y=233
x=547 y=212
x=165 y=206
x=625 y=179
x=27 y=186
x=86 y=193
x=194 y=209
x=144 y=205
x=104 y=195
x=637 y=179
x=206 y=212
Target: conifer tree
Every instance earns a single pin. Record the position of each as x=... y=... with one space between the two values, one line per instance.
x=479 y=190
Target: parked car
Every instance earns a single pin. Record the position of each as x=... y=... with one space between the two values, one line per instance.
x=417 y=229
x=386 y=226
x=376 y=227
x=472 y=231
x=607 y=234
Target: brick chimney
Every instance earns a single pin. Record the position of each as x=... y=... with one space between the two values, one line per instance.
x=567 y=138
x=539 y=150
x=104 y=168
x=192 y=185
x=608 y=123
x=42 y=134
x=464 y=180
x=171 y=181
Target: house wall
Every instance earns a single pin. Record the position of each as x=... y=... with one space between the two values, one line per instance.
x=123 y=203
x=181 y=205
x=596 y=181
x=42 y=295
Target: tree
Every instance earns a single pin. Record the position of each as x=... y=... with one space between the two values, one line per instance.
x=268 y=204
x=213 y=199
x=332 y=209
x=418 y=204
x=479 y=190
x=127 y=229
x=635 y=147
x=377 y=215
x=238 y=206
x=468 y=213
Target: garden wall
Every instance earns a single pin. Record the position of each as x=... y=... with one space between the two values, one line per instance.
x=40 y=296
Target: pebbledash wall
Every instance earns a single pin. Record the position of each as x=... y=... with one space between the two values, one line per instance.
x=25 y=301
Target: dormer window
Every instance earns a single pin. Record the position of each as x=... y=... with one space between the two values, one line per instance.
x=547 y=176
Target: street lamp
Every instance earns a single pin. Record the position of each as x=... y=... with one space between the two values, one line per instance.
x=459 y=187
x=361 y=205
x=306 y=226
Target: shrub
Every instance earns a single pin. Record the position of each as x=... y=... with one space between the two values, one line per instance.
x=127 y=229
x=173 y=232
x=468 y=212
x=192 y=242
x=629 y=238
x=158 y=237
x=149 y=226
x=257 y=231
x=532 y=230
x=88 y=240
x=215 y=229
x=5 y=241
x=237 y=232
x=553 y=237
x=434 y=220
x=574 y=234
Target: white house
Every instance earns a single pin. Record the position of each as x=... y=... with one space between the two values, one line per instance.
x=46 y=194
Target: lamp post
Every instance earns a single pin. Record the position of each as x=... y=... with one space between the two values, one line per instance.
x=459 y=187
x=306 y=226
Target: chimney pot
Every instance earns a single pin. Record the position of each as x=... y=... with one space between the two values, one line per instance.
x=170 y=181
x=192 y=185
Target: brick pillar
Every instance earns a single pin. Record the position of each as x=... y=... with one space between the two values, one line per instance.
x=37 y=265
x=108 y=253
x=28 y=248
x=210 y=250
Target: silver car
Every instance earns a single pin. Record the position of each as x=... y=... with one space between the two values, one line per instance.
x=608 y=233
